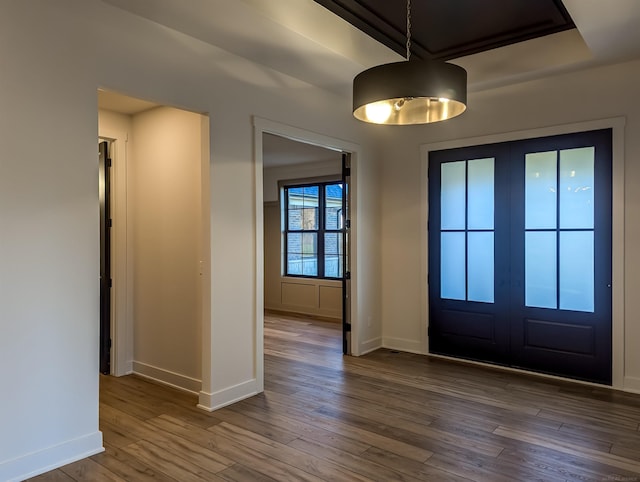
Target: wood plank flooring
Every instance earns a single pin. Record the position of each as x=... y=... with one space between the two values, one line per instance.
x=385 y=416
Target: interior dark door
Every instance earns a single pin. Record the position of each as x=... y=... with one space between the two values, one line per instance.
x=346 y=259
x=104 y=164
x=520 y=254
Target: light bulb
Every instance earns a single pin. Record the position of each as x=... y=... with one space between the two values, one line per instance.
x=378 y=112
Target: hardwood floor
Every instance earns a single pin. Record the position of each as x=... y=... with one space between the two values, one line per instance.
x=384 y=416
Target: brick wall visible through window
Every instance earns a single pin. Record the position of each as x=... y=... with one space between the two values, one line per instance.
x=313 y=230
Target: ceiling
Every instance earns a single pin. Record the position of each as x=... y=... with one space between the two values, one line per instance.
x=499 y=43
x=277 y=151
x=290 y=36
x=122 y=104
x=448 y=29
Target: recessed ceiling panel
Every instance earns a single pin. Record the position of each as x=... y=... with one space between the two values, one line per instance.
x=447 y=29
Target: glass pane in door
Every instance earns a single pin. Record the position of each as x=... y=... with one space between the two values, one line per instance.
x=453 y=195
x=452 y=266
x=576 y=188
x=576 y=271
x=540 y=269
x=541 y=188
x=480 y=285
x=480 y=189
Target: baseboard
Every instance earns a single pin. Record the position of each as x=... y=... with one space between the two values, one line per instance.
x=331 y=317
x=370 y=345
x=37 y=463
x=631 y=384
x=166 y=377
x=402 y=344
x=227 y=396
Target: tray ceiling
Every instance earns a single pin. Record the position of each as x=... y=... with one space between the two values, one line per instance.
x=448 y=29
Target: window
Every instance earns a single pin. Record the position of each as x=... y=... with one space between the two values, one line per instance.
x=313 y=230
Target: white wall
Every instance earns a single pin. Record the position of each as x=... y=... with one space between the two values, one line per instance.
x=273 y=175
x=582 y=96
x=49 y=243
x=114 y=122
x=54 y=55
x=164 y=197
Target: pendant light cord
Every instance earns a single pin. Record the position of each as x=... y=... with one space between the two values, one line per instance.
x=408 y=29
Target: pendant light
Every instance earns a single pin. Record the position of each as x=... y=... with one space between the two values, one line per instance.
x=411 y=91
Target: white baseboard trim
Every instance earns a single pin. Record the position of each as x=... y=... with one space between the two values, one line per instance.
x=370 y=345
x=128 y=370
x=227 y=396
x=297 y=310
x=37 y=463
x=402 y=344
x=166 y=377
x=631 y=384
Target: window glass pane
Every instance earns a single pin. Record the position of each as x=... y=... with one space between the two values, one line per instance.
x=294 y=253
x=576 y=188
x=576 y=271
x=540 y=269
x=294 y=206
x=480 y=202
x=541 y=190
x=295 y=198
x=480 y=254
x=310 y=195
x=295 y=219
x=310 y=254
x=295 y=195
x=310 y=218
x=333 y=255
x=333 y=206
x=302 y=203
x=452 y=192
x=452 y=266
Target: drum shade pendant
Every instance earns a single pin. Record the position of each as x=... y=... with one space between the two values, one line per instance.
x=410 y=92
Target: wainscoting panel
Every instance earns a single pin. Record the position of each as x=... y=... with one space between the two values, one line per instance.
x=298 y=294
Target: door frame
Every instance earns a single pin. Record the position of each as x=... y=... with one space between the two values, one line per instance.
x=104 y=195
x=617 y=124
x=262 y=126
x=121 y=296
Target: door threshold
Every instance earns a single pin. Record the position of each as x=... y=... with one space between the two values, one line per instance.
x=522 y=371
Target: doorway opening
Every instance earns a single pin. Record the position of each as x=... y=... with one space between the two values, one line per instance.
x=306 y=232
x=159 y=237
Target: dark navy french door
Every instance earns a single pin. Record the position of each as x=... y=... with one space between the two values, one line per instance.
x=520 y=254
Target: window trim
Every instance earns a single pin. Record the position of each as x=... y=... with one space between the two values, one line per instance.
x=321 y=183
